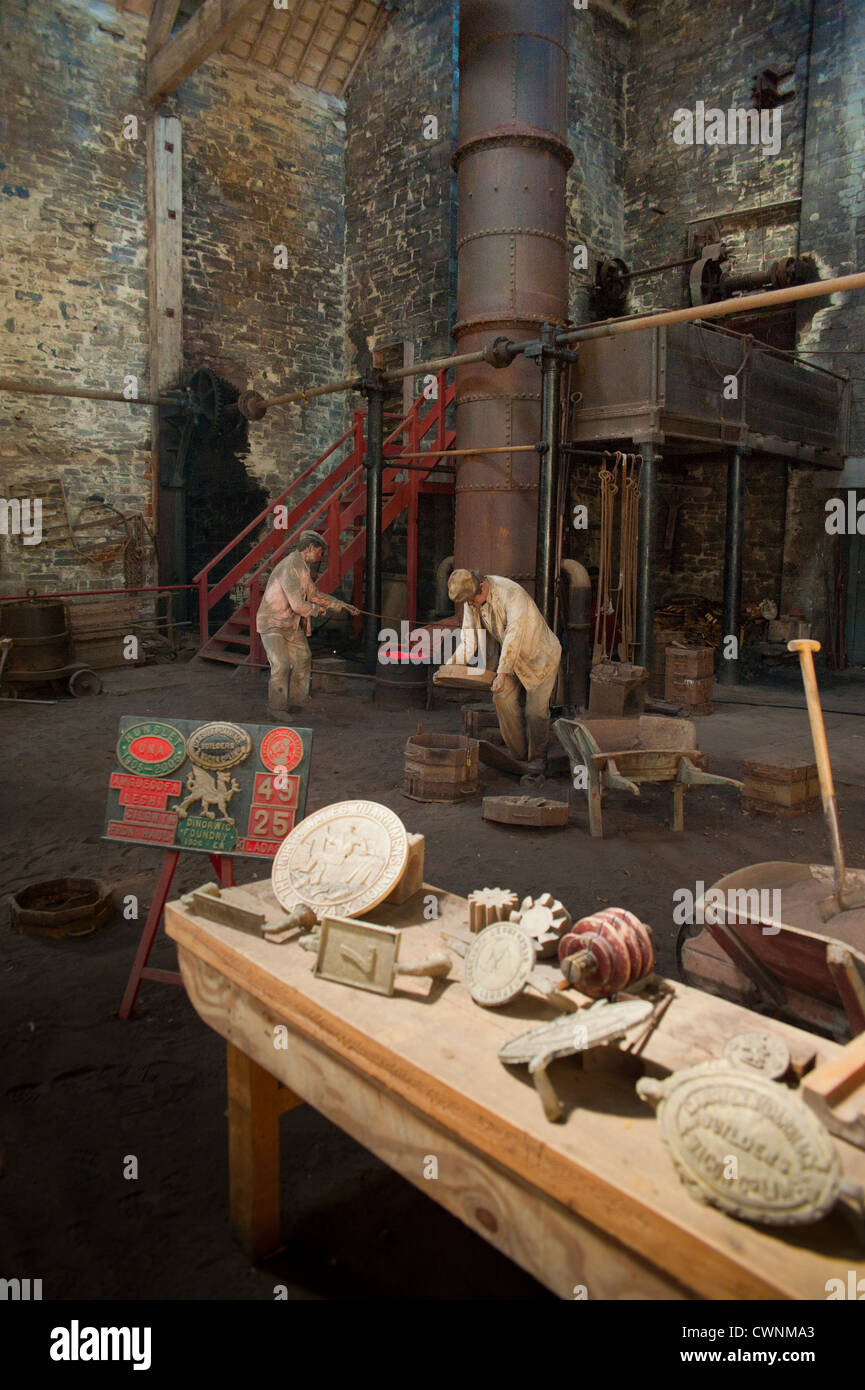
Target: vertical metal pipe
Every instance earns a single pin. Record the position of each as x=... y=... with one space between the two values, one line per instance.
x=646 y=573
x=372 y=573
x=734 y=539
x=548 y=479
x=512 y=159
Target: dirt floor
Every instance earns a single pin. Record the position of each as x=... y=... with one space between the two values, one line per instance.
x=83 y=1090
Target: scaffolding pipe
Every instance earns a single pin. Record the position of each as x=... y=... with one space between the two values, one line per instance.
x=733 y=552
x=38 y=388
x=548 y=480
x=646 y=570
x=612 y=328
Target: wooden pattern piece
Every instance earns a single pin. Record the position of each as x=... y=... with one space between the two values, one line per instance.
x=536 y=811
x=341 y=860
x=600 y=1023
x=488 y=905
x=364 y=956
x=545 y=920
x=761 y=1052
x=498 y=964
x=745 y=1144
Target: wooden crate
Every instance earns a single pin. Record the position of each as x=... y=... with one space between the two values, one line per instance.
x=780 y=786
x=694 y=692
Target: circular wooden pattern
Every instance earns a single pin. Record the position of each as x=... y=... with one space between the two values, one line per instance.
x=342 y=860
x=498 y=964
x=746 y=1144
x=760 y=1052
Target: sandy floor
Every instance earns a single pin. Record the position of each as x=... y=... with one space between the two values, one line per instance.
x=83 y=1089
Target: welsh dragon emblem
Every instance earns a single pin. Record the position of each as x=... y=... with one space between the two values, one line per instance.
x=210 y=790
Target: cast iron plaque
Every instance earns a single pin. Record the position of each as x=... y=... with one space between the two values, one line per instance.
x=213 y=786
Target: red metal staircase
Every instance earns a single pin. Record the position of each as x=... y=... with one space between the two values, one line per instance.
x=335 y=508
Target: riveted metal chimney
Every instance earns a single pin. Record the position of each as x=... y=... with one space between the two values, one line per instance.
x=512 y=159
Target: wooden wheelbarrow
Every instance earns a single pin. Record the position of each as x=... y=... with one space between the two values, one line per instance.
x=619 y=754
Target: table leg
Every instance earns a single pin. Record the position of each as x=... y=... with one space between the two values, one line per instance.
x=255 y=1102
x=678 y=822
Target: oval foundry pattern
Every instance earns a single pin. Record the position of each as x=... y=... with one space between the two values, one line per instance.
x=218 y=746
x=342 y=860
x=786 y=1170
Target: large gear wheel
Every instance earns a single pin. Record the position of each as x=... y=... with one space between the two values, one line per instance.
x=204 y=394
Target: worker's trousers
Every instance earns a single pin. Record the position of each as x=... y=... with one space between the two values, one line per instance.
x=290 y=668
x=526 y=735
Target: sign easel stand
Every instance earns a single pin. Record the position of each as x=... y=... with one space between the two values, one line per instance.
x=224 y=869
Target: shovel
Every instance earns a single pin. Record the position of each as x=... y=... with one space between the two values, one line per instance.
x=843 y=899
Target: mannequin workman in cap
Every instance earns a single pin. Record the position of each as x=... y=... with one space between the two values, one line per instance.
x=283 y=624
x=529 y=660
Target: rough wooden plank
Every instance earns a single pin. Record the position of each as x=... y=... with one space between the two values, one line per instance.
x=436 y=1055
x=206 y=31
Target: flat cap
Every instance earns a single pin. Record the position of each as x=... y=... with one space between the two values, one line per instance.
x=311 y=538
x=462 y=585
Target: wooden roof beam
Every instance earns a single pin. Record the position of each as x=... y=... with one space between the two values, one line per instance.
x=162 y=18
x=334 y=52
x=203 y=34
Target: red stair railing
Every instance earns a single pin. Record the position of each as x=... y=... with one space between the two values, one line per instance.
x=340 y=499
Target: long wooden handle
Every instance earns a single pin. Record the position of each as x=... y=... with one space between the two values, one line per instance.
x=806 y=648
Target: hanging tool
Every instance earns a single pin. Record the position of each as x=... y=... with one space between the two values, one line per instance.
x=843 y=899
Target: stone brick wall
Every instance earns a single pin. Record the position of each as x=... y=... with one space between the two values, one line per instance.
x=597 y=79
x=399 y=221
x=73 y=279
x=263 y=166
x=680 y=55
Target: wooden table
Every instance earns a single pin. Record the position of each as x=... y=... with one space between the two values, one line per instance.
x=593 y=1202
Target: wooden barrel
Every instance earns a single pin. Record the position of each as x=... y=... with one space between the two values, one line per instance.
x=440 y=767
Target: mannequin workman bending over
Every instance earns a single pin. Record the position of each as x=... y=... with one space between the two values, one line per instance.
x=529 y=660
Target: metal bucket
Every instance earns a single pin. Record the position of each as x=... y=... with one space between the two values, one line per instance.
x=41 y=640
x=440 y=767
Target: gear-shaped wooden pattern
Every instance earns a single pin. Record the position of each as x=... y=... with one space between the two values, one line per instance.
x=488 y=905
x=545 y=920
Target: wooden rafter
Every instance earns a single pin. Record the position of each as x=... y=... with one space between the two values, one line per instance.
x=206 y=31
x=308 y=46
x=334 y=52
x=379 y=21
x=289 y=30
x=162 y=18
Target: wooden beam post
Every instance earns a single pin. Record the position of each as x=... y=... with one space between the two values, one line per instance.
x=165 y=289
